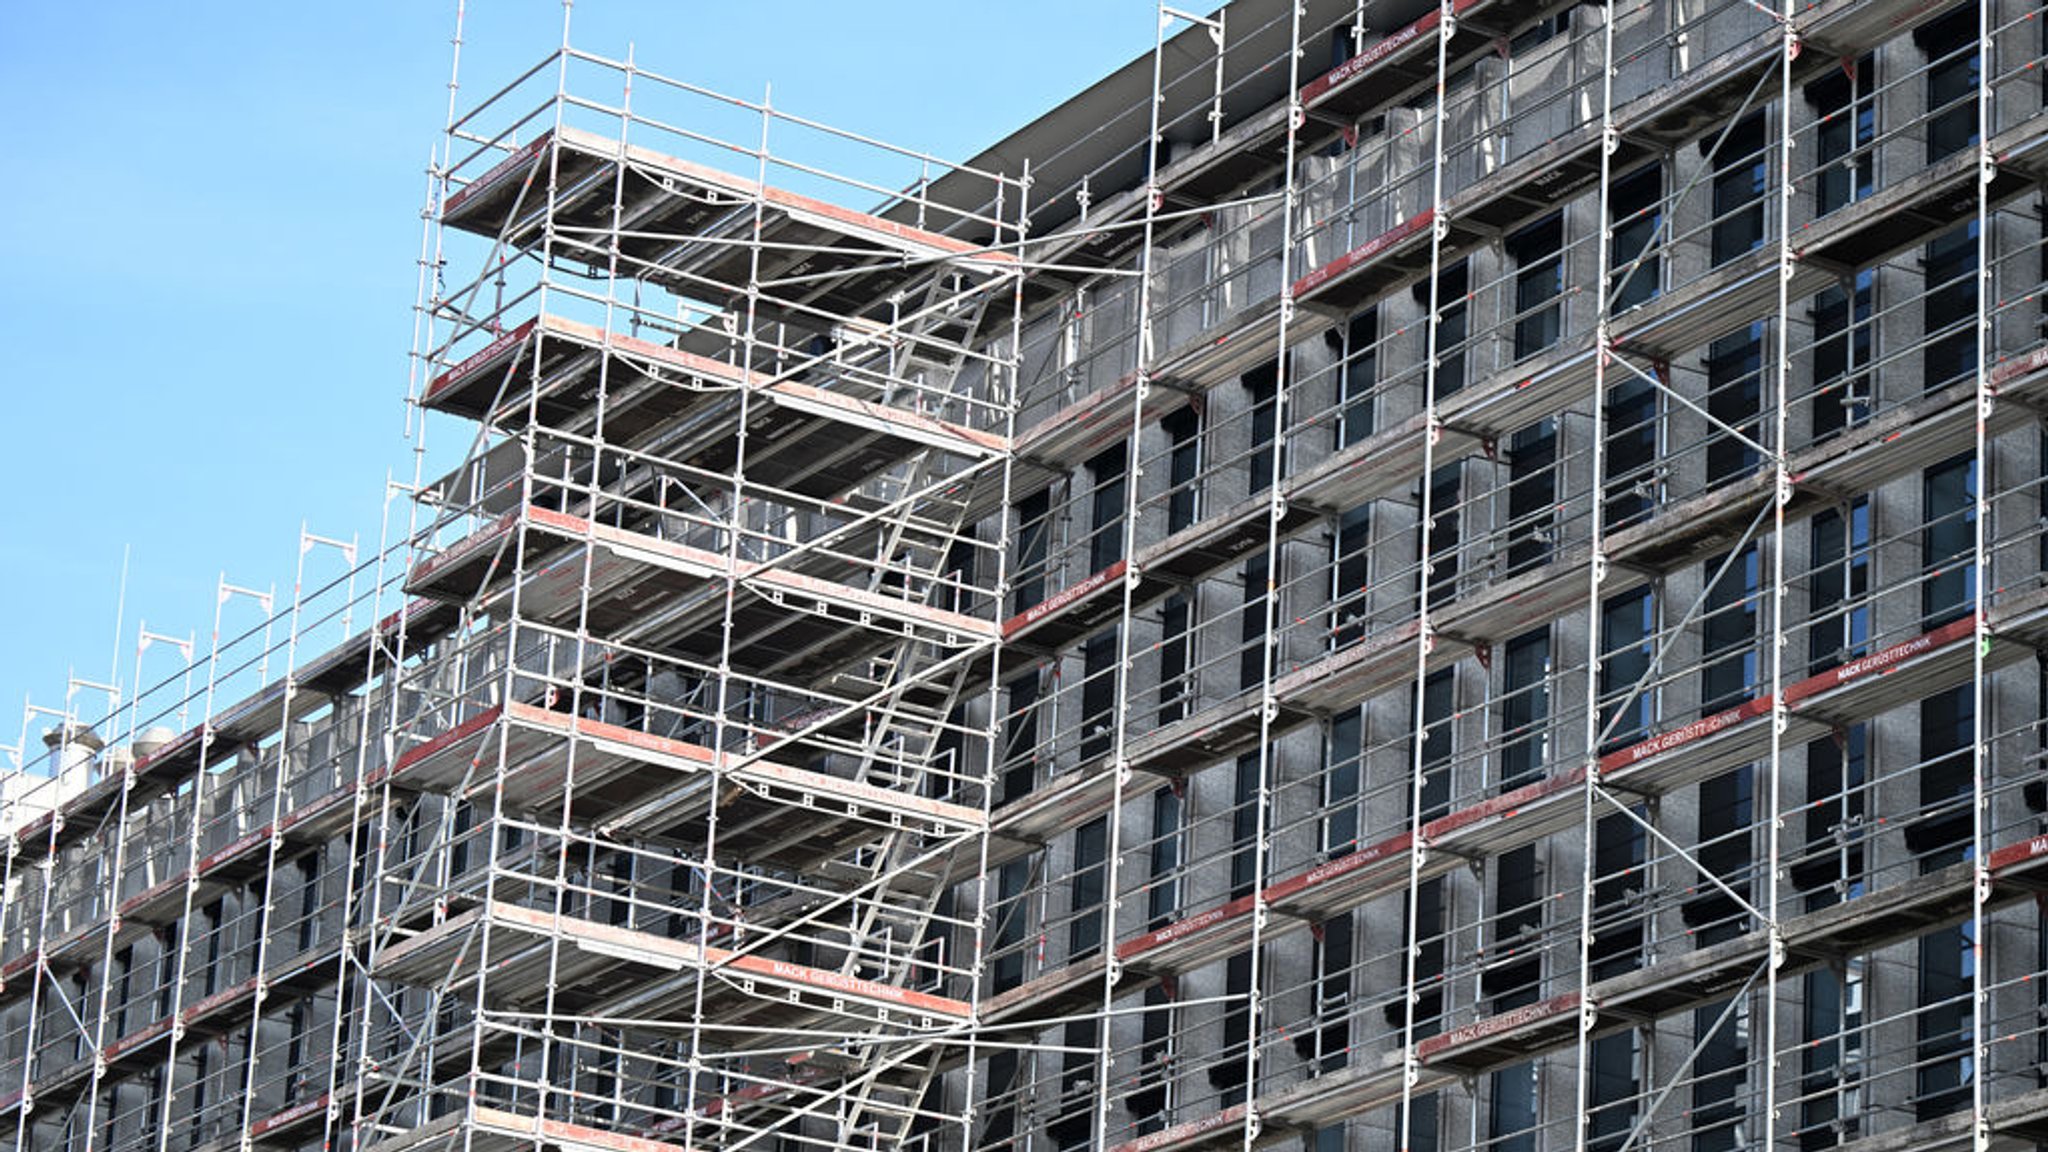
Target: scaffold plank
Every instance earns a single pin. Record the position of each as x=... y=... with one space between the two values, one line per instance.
x=484 y=205
x=1208 y=1131
x=1102 y=417
x=434 y=955
x=1360 y=671
x=1070 y=987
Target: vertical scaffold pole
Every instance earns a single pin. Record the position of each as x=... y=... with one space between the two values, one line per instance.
x=1781 y=496
x=40 y=977
x=508 y=676
x=1133 y=471
x=1981 y=559
x=259 y=970
x=426 y=306
x=702 y=1084
x=1425 y=641
x=1269 y=636
x=111 y=912
x=1009 y=369
x=555 y=1029
x=1596 y=572
x=201 y=775
x=345 y=1034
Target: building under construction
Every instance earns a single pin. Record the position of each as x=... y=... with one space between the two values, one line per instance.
x=1389 y=576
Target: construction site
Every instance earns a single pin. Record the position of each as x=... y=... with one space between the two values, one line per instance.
x=1392 y=575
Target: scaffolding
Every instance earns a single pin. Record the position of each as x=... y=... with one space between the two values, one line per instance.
x=1424 y=576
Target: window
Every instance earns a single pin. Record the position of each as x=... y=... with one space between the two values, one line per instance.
x=1635 y=206
x=76 y=1006
x=1000 y=1098
x=959 y=573
x=1106 y=509
x=1725 y=813
x=1513 y=977
x=1176 y=687
x=1262 y=385
x=929 y=1120
x=1716 y=1112
x=1251 y=656
x=1627 y=624
x=1087 y=887
x=1244 y=828
x=1537 y=251
x=200 y=1060
x=1098 y=695
x=1162 y=897
x=1525 y=706
x=1341 y=45
x=1020 y=736
x=1842 y=354
x=1838 y=588
x=120 y=992
x=619 y=880
x=297 y=1049
x=1941 y=831
x=212 y=925
x=1532 y=495
x=308 y=868
x=1360 y=372
x=1735 y=401
x=1831 y=869
x=1635 y=477
x=1613 y=1113
x=1953 y=65
x=1845 y=107
x=1439 y=698
x=1728 y=632
x=1511 y=1121
x=1328 y=1045
x=1227 y=1074
x=1350 y=574
x=167 y=953
x=1428 y=911
x=1454 y=303
x=1943 y=1065
x=1617 y=945
x=1949 y=310
x=1741 y=172
x=1007 y=971
x=1948 y=540
x=1830 y=1109
x=109 y=1106
x=1344 y=756
x=1155 y=1061
x=1184 y=463
x=1441 y=570
x=1034 y=532
x=153 y=1109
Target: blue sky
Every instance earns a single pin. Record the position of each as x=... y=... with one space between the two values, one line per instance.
x=211 y=217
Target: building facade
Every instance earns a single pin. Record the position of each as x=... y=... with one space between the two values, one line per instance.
x=1386 y=577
